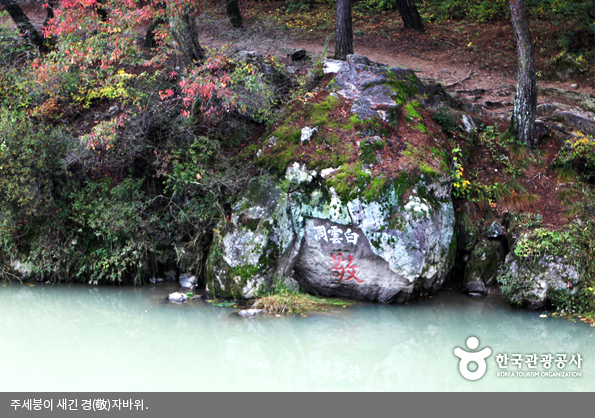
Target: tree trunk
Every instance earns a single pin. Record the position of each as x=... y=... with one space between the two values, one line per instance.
x=150 y=41
x=102 y=13
x=185 y=32
x=522 y=125
x=234 y=13
x=410 y=15
x=22 y=22
x=50 y=12
x=343 y=30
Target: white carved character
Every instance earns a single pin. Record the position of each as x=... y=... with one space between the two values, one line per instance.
x=320 y=232
x=351 y=237
x=335 y=233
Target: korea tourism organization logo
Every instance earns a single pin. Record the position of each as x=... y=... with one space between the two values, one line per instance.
x=468 y=357
x=473 y=363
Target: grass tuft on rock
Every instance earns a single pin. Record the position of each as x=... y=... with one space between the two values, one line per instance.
x=283 y=300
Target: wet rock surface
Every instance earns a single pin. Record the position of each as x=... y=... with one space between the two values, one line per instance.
x=380 y=250
x=178 y=297
x=250 y=313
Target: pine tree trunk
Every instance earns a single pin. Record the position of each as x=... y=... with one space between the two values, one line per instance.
x=343 y=30
x=22 y=22
x=522 y=125
x=50 y=12
x=410 y=15
x=150 y=41
x=234 y=13
x=102 y=13
x=185 y=32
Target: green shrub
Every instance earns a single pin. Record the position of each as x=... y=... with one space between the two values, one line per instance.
x=30 y=159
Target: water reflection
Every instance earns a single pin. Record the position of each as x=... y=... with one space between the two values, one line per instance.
x=94 y=338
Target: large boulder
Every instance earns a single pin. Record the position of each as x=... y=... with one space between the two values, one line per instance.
x=546 y=266
x=389 y=247
x=361 y=209
x=244 y=254
x=529 y=283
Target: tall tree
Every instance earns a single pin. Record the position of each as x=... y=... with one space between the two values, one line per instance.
x=234 y=13
x=184 y=29
x=410 y=14
x=159 y=19
x=343 y=30
x=22 y=22
x=49 y=6
x=522 y=125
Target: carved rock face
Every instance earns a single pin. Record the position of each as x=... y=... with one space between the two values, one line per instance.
x=379 y=250
x=347 y=267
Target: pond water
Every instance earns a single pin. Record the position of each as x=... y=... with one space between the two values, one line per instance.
x=81 y=338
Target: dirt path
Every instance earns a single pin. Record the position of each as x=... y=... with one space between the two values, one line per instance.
x=491 y=90
x=480 y=72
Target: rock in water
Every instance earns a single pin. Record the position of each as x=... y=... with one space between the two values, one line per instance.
x=248 y=313
x=372 y=235
x=187 y=280
x=178 y=297
x=482 y=269
x=380 y=250
x=529 y=283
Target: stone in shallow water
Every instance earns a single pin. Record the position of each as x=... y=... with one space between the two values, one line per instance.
x=298 y=55
x=187 y=280
x=476 y=288
x=178 y=297
x=249 y=313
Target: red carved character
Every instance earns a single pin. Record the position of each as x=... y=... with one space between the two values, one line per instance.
x=339 y=271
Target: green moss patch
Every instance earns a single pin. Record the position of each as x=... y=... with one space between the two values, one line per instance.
x=330 y=147
x=368 y=148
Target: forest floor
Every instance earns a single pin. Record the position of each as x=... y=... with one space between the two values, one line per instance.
x=477 y=61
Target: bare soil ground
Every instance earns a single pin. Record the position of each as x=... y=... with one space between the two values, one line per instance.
x=477 y=61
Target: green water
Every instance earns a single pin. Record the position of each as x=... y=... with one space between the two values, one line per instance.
x=77 y=338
